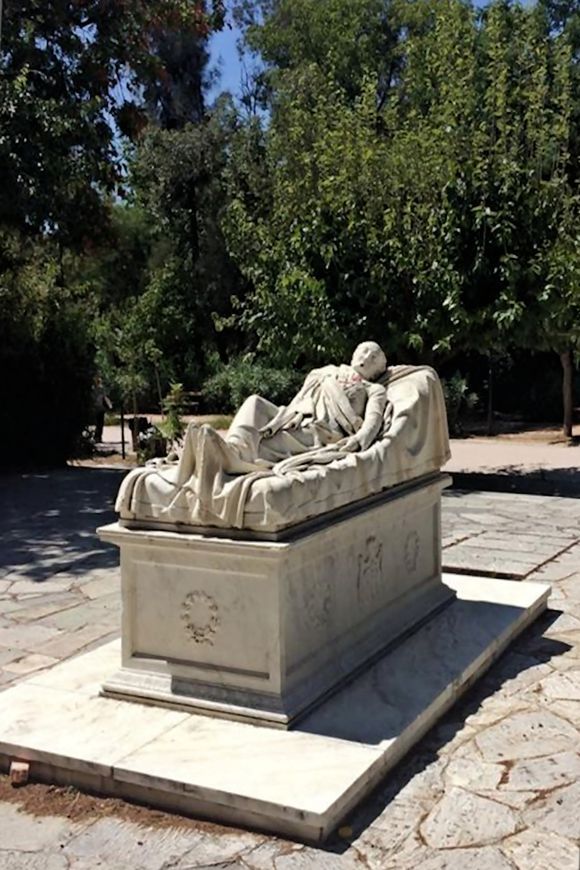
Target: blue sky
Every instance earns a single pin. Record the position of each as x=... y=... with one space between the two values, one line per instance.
x=224 y=54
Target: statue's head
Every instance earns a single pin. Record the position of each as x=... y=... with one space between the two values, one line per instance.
x=369 y=360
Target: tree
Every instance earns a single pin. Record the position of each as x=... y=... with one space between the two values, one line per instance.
x=71 y=78
x=178 y=177
x=70 y=70
x=420 y=188
x=355 y=232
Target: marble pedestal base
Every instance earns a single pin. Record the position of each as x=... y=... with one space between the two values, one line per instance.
x=263 y=630
x=300 y=783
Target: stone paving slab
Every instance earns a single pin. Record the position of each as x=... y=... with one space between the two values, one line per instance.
x=500 y=535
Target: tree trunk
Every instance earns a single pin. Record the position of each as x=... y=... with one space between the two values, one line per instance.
x=123 y=451
x=135 y=426
x=567 y=392
x=490 y=397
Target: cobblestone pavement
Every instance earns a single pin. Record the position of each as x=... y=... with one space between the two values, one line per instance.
x=495 y=785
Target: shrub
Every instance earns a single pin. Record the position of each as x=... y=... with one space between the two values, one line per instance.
x=458 y=401
x=226 y=390
x=173 y=427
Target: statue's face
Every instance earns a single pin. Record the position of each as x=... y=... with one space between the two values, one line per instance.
x=369 y=360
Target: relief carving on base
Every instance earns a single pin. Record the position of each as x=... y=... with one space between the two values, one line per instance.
x=199 y=612
x=318 y=602
x=370 y=569
x=412 y=548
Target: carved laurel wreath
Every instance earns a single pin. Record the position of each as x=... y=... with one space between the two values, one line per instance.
x=197 y=605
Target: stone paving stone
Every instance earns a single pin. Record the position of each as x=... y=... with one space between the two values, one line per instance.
x=517 y=672
x=493 y=708
x=570 y=587
x=398 y=820
x=106 y=609
x=42 y=587
x=557 y=812
x=9 y=606
x=21 y=832
x=28 y=664
x=27 y=637
x=9 y=654
x=72 y=642
x=542 y=774
x=541 y=851
x=54 y=604
x=106 y=840
x=409 y=856
x=564 y=625
x=456 y=536
x=569 y=710
x=100 y=586
x=562 y=686
x=463 y=819
x=552 y=572
x=572 y=608
x=517 y=800
x=231 y=846
x=450 y=738
x=261 y=856
x=533 y=551
x=486 y=858
x=418 y=779
x=305 y=859
x=473 y=773
x=460 y=558
x=12 y=860
x=527 y=735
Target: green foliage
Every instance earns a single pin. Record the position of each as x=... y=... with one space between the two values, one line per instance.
x=234 y=382
x=222 y=422
x=173 y=427
x=45 y=355
x=61 y=63
x=346 y=40
x=413 y=178
x=458 y=401
x=178 y=180
x=73 y=266
x=433 y=207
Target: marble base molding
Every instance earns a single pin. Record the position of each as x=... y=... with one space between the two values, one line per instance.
x=263 y=630
x=301 y=783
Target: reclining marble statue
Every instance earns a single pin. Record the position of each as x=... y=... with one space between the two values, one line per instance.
x=262 y=569
x=262 y=474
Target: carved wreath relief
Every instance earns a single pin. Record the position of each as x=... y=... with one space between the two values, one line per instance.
x=370 y=569
x=199 y=612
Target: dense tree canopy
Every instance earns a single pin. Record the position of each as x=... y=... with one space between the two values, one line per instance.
x=410 y=174
x=428 y=210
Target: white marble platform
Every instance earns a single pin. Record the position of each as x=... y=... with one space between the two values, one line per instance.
x=299 y=783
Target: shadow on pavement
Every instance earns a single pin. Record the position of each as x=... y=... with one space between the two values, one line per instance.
x=49 y=520
x=553 y=481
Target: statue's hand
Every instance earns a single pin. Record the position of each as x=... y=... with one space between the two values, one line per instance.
x=352 y=444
